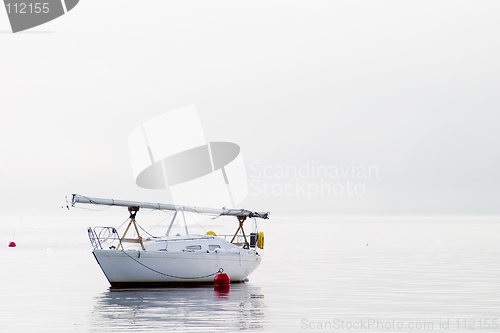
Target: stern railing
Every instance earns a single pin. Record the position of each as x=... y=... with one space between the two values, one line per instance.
x=100 y=235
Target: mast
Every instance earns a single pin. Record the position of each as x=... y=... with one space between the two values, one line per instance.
x=160 y=206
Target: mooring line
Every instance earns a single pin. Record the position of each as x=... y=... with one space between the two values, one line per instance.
x=173 y=276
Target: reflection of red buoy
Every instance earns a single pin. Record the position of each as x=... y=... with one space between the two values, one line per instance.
x=222 y=284
x=12 y=244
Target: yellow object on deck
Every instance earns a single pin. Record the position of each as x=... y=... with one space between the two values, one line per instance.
x=211 y=233
x=260 y=240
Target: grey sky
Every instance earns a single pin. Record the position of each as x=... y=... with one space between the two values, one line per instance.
x=410 y=87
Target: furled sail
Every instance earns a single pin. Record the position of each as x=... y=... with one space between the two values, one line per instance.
x=160 y=206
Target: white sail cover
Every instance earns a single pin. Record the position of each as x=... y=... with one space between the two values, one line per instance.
x=160 y=206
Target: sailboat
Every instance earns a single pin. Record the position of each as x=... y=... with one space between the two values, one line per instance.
x=173 y=259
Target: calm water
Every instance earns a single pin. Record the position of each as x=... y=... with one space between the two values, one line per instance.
x=328 y=274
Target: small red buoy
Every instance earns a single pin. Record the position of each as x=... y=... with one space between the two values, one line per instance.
x=12 y=244
x=222 y=284
x=221 y=279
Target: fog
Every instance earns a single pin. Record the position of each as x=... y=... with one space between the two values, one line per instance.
x=408 y=90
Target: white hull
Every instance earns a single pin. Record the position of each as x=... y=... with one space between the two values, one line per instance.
x=134 y=267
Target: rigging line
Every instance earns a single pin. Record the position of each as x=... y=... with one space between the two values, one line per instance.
x=173 y=276
x=100 y=209
x=146 y=231
x=147 y=211
x=121 y=225
x=190 y=217
x=158 y=224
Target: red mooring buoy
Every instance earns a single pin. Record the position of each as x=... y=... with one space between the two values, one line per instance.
x=221 y=279
x=12 y=244
x=222 y=283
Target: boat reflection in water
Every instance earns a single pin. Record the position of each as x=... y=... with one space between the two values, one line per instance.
x=180 y=309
